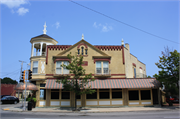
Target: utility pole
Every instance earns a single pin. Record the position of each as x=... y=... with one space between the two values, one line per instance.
x=21 y=74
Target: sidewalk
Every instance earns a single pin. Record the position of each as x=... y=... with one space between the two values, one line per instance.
x=90 y=110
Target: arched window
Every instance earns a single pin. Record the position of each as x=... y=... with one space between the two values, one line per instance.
x=82 y=50
x=78 y=51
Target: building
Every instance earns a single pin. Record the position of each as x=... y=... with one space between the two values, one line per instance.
x=120 y=76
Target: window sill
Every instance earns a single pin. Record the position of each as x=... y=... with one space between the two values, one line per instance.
x=102 y=75
x=61 y=75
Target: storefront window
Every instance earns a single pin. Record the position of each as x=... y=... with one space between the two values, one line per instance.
x=145 y=95
x=91 y=96
x=78 y=96
x=134 y=95
x=103 y=95
x=117 y=94
x=65 y=95
x=55 y=94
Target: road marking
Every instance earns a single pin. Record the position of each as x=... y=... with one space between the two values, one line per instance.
x=6 y=109
x=173 y=117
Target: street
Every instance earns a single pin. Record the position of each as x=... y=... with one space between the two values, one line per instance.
x=171 y=114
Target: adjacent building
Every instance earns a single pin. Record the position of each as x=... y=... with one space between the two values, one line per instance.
x=120 y=78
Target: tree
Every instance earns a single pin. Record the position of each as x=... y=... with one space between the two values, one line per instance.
x=7 y=80
x=169 y=74
x=78 y=84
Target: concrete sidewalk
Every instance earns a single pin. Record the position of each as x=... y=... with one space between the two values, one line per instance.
x=90 y=110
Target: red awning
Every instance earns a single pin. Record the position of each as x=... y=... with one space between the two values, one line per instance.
x=111 y=83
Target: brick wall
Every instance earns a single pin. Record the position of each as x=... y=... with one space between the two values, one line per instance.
x=8 y=89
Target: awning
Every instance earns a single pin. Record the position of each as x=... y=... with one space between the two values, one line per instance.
x=111 y=83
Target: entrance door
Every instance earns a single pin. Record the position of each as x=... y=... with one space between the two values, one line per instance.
x=155 y=96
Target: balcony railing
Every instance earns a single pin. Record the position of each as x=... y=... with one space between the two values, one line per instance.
x=38 y=54
x=105 y=72
x=140 y=75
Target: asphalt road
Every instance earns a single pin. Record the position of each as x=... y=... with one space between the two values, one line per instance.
x=172 y=114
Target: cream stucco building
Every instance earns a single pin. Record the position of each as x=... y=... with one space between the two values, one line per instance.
x=120 y=77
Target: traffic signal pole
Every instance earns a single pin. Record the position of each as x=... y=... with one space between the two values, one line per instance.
x=20 y=75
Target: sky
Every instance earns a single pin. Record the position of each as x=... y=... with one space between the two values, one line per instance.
x=66 y=22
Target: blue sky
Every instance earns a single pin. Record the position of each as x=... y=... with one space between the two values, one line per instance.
x=66 y=22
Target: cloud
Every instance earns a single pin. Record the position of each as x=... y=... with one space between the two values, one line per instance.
x=57 y=25
x=13 y=3
x=103 y=27
x=22 y=11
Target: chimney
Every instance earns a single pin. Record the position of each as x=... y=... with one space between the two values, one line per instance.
x=127 y=46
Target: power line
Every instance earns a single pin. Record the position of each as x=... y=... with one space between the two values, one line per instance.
x=123 y=22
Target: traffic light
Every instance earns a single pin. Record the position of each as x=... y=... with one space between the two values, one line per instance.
x=23 y=75
x=29 y=74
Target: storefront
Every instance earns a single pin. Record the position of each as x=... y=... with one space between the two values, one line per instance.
x=109 y=92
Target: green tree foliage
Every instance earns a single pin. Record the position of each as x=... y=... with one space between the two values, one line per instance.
x=7 y=80
x=78 y=84
x=169 y=74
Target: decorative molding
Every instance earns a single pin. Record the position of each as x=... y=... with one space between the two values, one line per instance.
x=134 y=64
x=62 y=59
x=102 y=59
x=82 y=44
x=100 y=47
x=85 y=63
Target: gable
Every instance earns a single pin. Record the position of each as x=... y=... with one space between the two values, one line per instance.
x=90 y=49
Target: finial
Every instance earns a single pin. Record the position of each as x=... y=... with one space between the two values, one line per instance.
x=44 y=31
x=82 y=37
x=122 y=42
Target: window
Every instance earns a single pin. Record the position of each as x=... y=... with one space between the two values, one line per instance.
x=78 y=51
x=145 y=95
x=86 y=51
x=42 y=85
x=116 y=93
x=55 y=94
x=98 y=67
x=62 y=70
x=103 y=94
x=134 y=72
x=78 y=97
x=35 y=67
x=134 y=95
x=58 y=67
x=102 y=65
x=91 y=96
x=105 y=67
x=42 y=94
x=65 y=95
x=82 y=50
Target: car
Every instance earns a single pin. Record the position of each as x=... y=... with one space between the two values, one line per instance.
x=176 y=99
x=169 y=98
x=4 y=95
x=9 y=100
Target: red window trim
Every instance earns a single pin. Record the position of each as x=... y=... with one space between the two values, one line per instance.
x=103 y=60
x=62 y=59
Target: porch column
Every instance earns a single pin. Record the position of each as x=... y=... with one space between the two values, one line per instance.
x=32 y=50
x=41 y=49
x=48 y=91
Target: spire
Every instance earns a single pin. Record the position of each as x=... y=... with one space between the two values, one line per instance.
x=82 y=37
x=44 y=31
x=122 y=42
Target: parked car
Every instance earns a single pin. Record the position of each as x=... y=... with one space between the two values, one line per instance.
x=176 y=99
x=4 y=95
x=172 y=99
x=9 y=99
x=169 y=98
